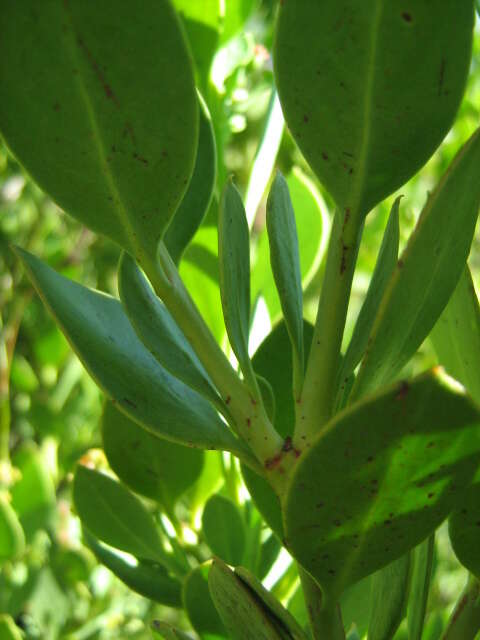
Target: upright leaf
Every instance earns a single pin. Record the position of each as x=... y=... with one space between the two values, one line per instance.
x=419 y=590
x=393 y=74
x=224 y=530
x=379 y=478
x=285 y=261
x=111 y=137
x=198 y=604
x=437 y=250
x=12 y=538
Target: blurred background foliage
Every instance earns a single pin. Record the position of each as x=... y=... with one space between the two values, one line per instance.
x=49 y=407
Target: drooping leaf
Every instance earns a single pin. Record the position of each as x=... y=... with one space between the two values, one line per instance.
x=419 y=590
x=152 y=467
x=103 y=338
x=456 y=335
x=167 y=632
x=146 y=578
x=464 y=528
x=111 y=137
x=390 y=588
x=199 y=606
x=437 y=250
x=388 y=106
x=12 y=538
x=224 y=530
x=285 y=261
x=379 y=478
x=196 y=200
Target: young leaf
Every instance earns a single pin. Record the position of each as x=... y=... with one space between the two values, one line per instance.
x=234 y=263
x=146 y=578
x=464 y=528
x=12 y=538
x=111 y=137
x=421 y=574
x=196 y=200
x=285 y=261
x=456 y=336
x=437 y=249
x=224 y=529
x=152 y=467
x=167 y=632
x=379 y=478
x=103 y=338
x=198 y=603
x=388 y=108
x=389 y=598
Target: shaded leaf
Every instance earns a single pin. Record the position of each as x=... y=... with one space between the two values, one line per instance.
x=464 y=528
x=224 y=530
x=419 y=590
x=198 y=603
x=167 y=632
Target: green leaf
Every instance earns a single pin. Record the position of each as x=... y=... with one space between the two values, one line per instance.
x=390 y=588
x=285 y=261
x=384 y=267
x=224 y=530
x=158 y=330
x=111 y=137
x=167 y=632
x=196 y=200
x=103 y=338
x=234 y=263
x=240 y=609
x=115 y=516
x=421 y=574
x=464 y=528
x=379 y=478
x=146 y=578
x=365 y=108
x=149 y=465
x=199 y=606
x=269 y=551
x=8 y=628
x=12 y=538
x=437 y=249
x=456 y=336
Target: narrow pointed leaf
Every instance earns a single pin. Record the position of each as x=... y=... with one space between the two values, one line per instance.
x=158 y=330
x=388 y=107
x=198 y=196
x=419 y=590
x=380 y=477
x=389 y=598
x=150 y=466
x=110 y=137
x=456 y=336
x=224 y=530
x=103 y=338
x=464 y=529
x=437 y=250
x=12 y=538
x=146 y=578
x=198 y=603
x=285 y=261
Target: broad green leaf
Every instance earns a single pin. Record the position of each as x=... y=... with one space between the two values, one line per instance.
x=12 y=538
x=167 y=632
x=420 y=586
x=8 y=628
x=285 y=261
x=224 y=530
x=390 y=588
x=241 y=610
x=456 y=336
x=199 y=606
x=115 y=516
x=437 y=251
x=196 y=200
x=234 y=264
x=152 y=467
x=464 y=528
x=384 y=267
x=209 y=482
x=103 y=338
x=146 y=578
x=379 y=478
x=158 y=330
x=370 y=88
x=111 y=137
x=33 y=495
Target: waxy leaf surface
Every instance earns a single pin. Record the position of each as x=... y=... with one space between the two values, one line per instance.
x=104 y=116
x=379 y=478
x=224 y=529
x=393 y=73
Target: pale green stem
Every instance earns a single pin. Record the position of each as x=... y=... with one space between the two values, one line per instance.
x=464 y=623
x=324 y=616
x=316 y=404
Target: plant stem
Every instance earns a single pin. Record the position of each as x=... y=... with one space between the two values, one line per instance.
x=464 y=622
x=318 y=395
x=325 y=617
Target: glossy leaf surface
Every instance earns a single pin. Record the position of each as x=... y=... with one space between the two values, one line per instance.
x=224 y=530
x=152 y=467
x=12 y=538
x=199 y=606
x=428 y=271
x=420 y=586
x=394 y=74
x=103 y=338
x=379 y=478
x=111 y=138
